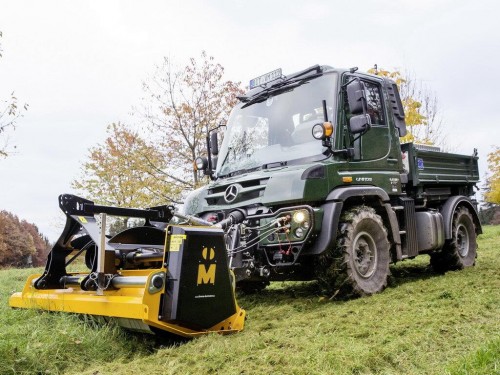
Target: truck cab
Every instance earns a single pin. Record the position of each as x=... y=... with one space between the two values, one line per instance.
x=306 y=155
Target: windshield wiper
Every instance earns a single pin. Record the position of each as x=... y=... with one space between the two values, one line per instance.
x=287 y=84
x=239 y=171
x=229 y=149
x=266 y=93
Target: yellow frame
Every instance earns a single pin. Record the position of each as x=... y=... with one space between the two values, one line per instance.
x=127 y=303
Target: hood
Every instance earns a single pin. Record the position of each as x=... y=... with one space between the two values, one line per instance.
x=266 y=187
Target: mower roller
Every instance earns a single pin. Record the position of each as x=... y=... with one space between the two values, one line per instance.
x=152 y=278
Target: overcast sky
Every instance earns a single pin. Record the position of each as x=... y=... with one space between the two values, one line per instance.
x=80 y=65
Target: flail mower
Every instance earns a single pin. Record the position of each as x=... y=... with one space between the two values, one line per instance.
x=152 y=278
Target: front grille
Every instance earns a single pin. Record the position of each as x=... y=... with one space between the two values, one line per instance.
x=248 y=190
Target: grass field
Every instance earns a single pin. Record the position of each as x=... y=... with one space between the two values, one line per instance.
x=423 y=323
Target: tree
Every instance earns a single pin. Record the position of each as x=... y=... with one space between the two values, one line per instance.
x=125 y=171
x=422 y=116
x=21 y=243
x=180 y=107
x=130 y=170
x=9 y=113
x=41 y=243
x=492 y=189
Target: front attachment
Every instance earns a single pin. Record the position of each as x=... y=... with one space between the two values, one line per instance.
x=148 y=278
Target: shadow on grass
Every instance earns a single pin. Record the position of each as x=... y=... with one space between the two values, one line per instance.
x=283 y=292
x=303 y=296
x=410 y=271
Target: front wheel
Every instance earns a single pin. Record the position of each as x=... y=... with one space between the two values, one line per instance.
x=460 y=251
x=359 y=264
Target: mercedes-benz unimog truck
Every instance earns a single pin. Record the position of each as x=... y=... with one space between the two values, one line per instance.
x=311 y=182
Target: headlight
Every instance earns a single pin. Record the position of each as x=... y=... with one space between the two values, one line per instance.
x=299 y=232
x=299 y=217
x=201 y=163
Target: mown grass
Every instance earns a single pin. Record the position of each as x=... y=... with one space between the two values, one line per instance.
x=424 y=323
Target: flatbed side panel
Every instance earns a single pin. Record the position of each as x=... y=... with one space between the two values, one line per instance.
x=431 y=167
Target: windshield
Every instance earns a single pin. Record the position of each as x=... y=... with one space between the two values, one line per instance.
x=277 y=130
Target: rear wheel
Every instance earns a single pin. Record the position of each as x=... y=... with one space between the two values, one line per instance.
x=359 y=264
x=460 y=251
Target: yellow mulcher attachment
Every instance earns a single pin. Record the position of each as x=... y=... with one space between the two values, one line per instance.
x=153 y=278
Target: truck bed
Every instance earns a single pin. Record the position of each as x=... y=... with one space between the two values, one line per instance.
x=429 y=167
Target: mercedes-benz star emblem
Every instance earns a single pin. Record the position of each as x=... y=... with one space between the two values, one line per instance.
x=231 y=193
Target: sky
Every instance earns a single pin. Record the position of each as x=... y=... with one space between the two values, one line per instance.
x=80 y=66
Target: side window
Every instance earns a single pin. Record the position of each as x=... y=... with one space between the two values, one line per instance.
x=374 y=103
x=374 y=145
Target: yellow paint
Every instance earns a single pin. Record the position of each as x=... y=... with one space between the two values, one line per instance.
x=82 y=219
x=206 y=275
x=208 y=255
x=128 y=303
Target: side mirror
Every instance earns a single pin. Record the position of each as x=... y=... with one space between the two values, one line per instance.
x=360 y=124
x=214 y=143
x=356 y=97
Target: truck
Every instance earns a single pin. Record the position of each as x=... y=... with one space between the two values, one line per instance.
x=314 y=184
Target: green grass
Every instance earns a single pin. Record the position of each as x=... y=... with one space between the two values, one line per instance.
x=423 y=323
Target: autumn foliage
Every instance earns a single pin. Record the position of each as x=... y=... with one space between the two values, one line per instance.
x=182 y=105
x=21 y=243
x=420 y=104
x=123 y=171
x=154 y=165
x=492 y=194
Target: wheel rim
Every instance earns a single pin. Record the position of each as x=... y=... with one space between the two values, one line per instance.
x=462 y=240
x=365 y=255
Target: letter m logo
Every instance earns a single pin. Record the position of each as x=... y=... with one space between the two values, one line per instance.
x=206 y=275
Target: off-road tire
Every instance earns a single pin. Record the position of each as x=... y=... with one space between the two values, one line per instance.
x=461 y=250
x=359 y=263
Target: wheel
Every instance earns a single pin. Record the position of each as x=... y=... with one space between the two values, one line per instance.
x=359 y=264
x=460 y=251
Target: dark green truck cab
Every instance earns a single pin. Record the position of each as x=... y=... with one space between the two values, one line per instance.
x=311 y=182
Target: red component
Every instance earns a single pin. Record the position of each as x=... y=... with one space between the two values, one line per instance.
x=212 y=219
